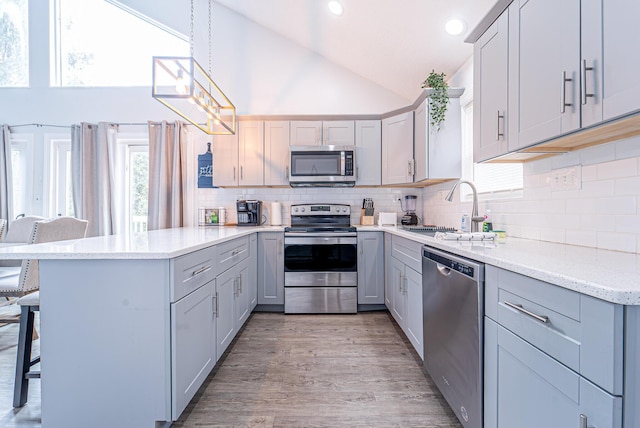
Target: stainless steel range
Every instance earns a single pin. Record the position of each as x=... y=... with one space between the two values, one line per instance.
x=320 y=260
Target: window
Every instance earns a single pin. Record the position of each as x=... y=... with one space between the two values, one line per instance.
x=99 y=44
x=492 y=180
x=22 y=174
x=14 y=43
x=138 y=186
x=60 y=181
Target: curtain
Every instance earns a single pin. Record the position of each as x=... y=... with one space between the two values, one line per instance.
x=168 y=169
x=93 y=153
x=6 y=183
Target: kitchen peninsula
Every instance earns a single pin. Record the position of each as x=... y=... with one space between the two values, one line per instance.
x=132 y=325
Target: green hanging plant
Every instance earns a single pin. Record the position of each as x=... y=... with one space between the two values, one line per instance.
x=438 y=98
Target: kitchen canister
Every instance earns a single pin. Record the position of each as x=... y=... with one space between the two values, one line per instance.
x=276 y=214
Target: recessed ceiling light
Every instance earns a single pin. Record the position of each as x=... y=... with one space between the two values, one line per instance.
x=455 y=26
x=335 y=7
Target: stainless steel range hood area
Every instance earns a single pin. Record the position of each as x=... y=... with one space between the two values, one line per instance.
x=323 y=184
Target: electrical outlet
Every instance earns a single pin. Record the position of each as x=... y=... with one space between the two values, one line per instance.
x=567 y=178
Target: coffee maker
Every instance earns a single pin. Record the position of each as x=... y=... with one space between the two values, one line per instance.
x=249 y=213
x=409 y=207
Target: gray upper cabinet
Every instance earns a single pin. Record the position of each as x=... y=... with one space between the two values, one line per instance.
x=397 y=149
x=610 y=72
x=544 y=55
x=490 y=62
x=438 y=152
x=368 y=152
x=276 y=153
x=319 y=133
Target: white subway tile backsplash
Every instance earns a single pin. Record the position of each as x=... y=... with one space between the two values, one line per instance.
x=617 y=169
x=627 y=224
x=581 y=206
x=553 y=235
x=628 y=148
x=617 y=241
x=617 y=205
x=627 y=186
x=585 y=238
x=604 y=223
x=589 y=173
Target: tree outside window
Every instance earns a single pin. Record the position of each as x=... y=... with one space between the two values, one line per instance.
x=14 y=43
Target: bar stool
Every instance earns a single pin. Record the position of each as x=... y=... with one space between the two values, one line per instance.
x=29 y=304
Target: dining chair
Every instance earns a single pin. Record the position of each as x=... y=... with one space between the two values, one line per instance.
x=18 y=232
x=3 y=228
x=56 y=229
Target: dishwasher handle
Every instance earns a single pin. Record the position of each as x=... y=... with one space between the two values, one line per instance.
x=443 y=270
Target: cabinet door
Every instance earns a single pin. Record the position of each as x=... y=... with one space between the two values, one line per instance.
x=251 y=153
x=526 y=380
x=225 y=322
x=253 y=280
x=544 y=49
x=413 y=326
x=338 y=133
x=192 y=345
x=242 y=293
x=271 y=268
x=306 y=133
x=621 y=38
x=368 y=152
x=388 y=273
x=490 y=55
x=370 y=268
x=276 y=153
x=397 y=149
x=225 y=160
x=398 y=297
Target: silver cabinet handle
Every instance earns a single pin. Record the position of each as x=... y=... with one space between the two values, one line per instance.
x=357 y=173
x=217 y=312
x=401 y=283
x=240 y=282
x=214 y=312
x=286 y=172
x=500 y=134
x=408 y=167
x=241 y=173
x=563 y=93
x=235 y=286
x=584 y=423
x=406 y=281
x=201 y=270
x=585 y=95
x=280 y=246
x=519 y=308
x=234 y=173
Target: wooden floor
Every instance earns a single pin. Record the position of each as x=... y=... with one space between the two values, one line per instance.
x=293 y=371
x=319 y=371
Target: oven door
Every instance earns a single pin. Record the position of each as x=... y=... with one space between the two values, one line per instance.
x=320 y=260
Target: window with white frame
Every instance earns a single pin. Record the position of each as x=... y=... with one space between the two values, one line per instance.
x=60 y=177
x=14 y=43
x=132 y=165
x=100 y=44
x=22 y=174
x=492 y=180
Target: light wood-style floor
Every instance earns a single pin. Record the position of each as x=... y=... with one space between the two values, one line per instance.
x=293 y=371
x=319 y=371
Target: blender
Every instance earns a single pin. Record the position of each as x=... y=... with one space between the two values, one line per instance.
x=408 y=205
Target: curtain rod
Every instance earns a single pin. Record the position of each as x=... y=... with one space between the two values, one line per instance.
x=40 y=125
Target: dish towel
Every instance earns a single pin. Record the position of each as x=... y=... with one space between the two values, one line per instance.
x=475 y=236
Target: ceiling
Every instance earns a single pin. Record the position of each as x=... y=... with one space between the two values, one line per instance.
x=392 y=43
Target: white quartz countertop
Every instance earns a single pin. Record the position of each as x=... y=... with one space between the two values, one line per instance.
x=608 y=275
x=613 y=276
x=157 y=244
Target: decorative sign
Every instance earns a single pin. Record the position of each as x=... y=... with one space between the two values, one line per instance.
x=205 y=169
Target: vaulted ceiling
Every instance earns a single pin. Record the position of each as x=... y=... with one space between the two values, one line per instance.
x=393 y=43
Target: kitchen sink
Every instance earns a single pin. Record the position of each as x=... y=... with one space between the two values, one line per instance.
x=427 y=230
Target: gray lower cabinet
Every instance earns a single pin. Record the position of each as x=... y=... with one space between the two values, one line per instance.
x=370 y=268
x=253 y=271
x=271 y=268
x=553 y=357
x=403 y=288
x=193 y=344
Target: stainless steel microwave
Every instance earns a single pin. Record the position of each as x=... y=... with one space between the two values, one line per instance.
x=322 y=166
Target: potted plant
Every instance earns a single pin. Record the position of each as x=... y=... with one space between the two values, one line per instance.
x=438 y=98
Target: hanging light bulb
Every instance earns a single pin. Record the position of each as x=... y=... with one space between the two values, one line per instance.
x=182 y=83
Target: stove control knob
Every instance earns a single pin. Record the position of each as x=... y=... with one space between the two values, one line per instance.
x=295 y=210
x=302 y=209
x=344 y=210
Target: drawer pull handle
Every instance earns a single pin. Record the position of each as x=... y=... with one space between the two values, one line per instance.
x=201 y=270
x=217 y=306
x=584 y=423
x=541 y=318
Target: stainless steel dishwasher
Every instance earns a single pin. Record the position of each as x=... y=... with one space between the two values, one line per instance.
x=453 y=308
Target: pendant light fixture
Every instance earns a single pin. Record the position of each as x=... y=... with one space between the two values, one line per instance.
x=181 y=84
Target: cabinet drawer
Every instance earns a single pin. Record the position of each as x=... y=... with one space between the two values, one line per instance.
x=581 y=332
x=232 y=252
x=192 y=271
x=408 y=252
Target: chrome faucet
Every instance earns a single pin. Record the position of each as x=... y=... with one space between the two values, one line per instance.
x=475 y=218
